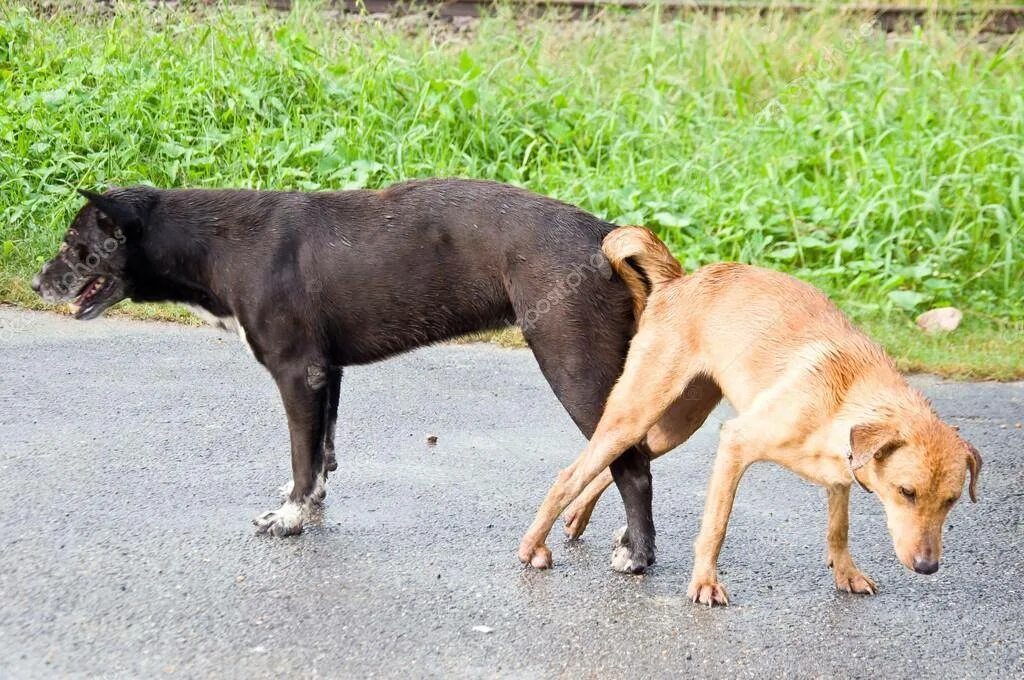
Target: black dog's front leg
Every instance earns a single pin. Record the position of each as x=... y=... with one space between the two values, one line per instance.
x=333 y=395
x=330 y=460
x=304 y=390
x=634 y=543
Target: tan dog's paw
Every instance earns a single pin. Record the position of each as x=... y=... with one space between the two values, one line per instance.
x=537 y=556
x=853 y=580
x=707 y=592
x=576 y=519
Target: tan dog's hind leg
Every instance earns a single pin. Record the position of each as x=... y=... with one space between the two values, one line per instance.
x=637 y=402
x=577 y=515
x=731 y=462
x=848 y=577
x=684 y=417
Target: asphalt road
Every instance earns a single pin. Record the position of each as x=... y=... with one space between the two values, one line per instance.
x=134 y=456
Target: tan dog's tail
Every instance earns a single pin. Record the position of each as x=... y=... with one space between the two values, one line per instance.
x=641 y=260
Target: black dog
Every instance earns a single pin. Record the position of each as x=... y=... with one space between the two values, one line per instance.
x=318 y=281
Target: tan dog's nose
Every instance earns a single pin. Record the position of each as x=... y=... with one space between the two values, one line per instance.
x=925 y=565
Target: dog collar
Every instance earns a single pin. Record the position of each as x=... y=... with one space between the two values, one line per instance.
x=853 y=473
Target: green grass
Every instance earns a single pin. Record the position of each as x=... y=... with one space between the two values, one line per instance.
x=980 y=350
x=886 y=170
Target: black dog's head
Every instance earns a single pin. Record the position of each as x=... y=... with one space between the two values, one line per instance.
x=89 y=270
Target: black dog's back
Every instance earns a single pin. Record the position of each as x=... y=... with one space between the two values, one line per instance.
x=458 y=256
x=380 y=272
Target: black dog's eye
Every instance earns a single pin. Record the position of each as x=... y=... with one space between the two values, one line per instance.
x=909 y=494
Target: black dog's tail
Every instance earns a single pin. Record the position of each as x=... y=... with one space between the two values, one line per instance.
x=641 y=260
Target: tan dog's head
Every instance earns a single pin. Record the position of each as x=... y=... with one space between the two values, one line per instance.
x=917 y=468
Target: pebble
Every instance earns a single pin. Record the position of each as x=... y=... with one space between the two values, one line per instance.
x=940 y=319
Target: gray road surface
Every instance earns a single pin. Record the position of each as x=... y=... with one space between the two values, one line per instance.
x=133 y=457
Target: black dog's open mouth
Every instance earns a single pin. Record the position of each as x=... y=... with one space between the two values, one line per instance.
x=90 y=299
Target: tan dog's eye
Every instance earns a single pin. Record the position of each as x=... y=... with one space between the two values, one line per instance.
x=909 y=494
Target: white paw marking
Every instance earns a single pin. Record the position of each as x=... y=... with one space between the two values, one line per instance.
x=290 y=517
x=285 y=521
x=619 y=534
x=285 y=490
x=622 y=558
x=318 y=493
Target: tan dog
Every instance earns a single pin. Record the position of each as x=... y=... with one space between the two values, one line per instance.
x=812 y=393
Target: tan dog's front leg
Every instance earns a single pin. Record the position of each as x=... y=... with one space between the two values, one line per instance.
x=571 y=481
x=848 y=577
x=729 y=467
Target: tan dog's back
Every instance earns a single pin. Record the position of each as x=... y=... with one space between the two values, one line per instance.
x=750 y=326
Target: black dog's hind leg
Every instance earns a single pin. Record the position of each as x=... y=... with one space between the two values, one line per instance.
x=581 y=359
x=634 y=543
x=304 y=390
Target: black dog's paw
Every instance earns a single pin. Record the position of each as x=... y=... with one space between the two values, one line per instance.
x=330 y=460
x=285 y=521
x=626 y=559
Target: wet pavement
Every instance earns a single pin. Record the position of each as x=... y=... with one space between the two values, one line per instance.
x=133 y=457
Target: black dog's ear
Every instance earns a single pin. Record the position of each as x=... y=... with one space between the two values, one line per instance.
x=122 y=213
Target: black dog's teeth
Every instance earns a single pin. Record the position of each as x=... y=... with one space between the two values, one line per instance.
x=89 y=291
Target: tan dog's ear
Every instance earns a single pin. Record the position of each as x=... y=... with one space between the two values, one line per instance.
x=874 y=440
x=974 y=465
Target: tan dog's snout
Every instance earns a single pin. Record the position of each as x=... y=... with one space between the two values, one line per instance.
x=919 y=551
x=926 y=555
x=924 y=563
